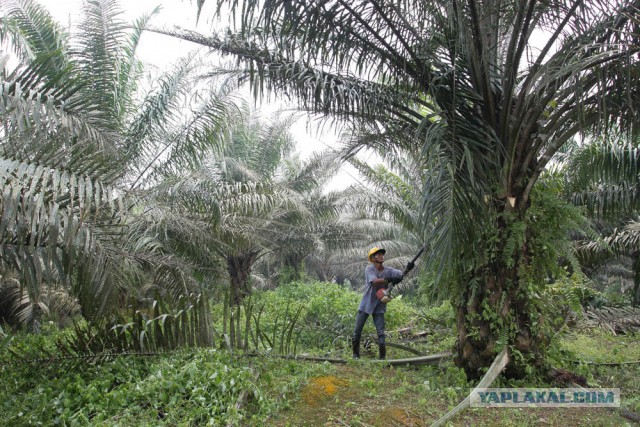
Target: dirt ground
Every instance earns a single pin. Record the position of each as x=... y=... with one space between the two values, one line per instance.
x=356 y=395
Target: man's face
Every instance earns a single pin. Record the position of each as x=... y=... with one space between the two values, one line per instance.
x=378 y=257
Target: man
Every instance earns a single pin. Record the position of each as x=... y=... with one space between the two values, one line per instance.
x=376 y=277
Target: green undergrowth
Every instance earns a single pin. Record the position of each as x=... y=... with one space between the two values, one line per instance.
x=597 y=345
x=196 y=387
x=313 y=318
x=209 y=386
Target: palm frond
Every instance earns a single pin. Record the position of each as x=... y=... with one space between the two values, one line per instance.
x=603 y=176
x=316 y=89
x=457 y=57
x=617 y=320
x=100 y=59
x=43 y=110
x=165 y=140
x=48 y=218
x=32 y=33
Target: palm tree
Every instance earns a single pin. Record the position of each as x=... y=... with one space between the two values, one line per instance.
x=244 y=199
x=79 y=151
x=317 y=227
x=614 y=247
x=487 y=104
x=55 y=151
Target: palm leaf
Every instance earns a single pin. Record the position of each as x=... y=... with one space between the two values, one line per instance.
x=603 y=176
x=100 y=59
x=48 y=218
x=33 y=34
x=617 y=320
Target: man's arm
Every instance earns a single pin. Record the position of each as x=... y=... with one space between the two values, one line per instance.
x=372 y=277
x=379 y=283
x=394 y=276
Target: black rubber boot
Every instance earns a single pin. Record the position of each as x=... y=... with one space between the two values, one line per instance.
x=383 y=351
x=355 y=344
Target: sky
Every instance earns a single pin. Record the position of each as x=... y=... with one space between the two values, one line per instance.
x=161 y=51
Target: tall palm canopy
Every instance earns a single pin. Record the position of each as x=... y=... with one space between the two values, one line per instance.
x=489 y=90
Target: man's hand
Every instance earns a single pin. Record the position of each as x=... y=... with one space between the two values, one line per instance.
x=396 y=280
x=410 y=266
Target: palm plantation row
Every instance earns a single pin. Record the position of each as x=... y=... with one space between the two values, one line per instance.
x=117 y=191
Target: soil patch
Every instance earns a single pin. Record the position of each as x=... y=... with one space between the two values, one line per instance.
x=398 y=416
x=321 y=388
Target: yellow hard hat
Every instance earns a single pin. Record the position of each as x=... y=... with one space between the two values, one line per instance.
x=374 y=251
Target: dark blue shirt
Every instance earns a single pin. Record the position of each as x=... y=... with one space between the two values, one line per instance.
x=369 y=303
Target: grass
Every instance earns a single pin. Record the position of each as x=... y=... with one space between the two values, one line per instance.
x=209 y=387
x=596 y=346
x=599 y=346
x=368 y=396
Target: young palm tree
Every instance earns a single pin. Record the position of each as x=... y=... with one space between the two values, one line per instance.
x=469 y=83
x=316 y=228
x=236 y=197
x=58 y=171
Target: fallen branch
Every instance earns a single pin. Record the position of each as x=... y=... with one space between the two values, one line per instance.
x=423 y=360
x=408 y=332
x=89 y=358
x=615 y=319
x=302 y=357
x=630 y=415
x=405 y=348
x=496 y=368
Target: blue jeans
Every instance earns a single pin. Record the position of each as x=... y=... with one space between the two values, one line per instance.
x=378 y=321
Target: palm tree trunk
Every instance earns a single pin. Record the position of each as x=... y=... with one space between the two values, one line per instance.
x=498 y=311
x=239 y=268
x=35 y=321
x=232 y=328
x=496 y=315
x=225 y=312
x=238 y=328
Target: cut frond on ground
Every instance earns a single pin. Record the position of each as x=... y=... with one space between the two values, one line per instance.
x=617 y=320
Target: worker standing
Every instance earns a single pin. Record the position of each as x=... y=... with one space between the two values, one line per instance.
x=377 y=278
